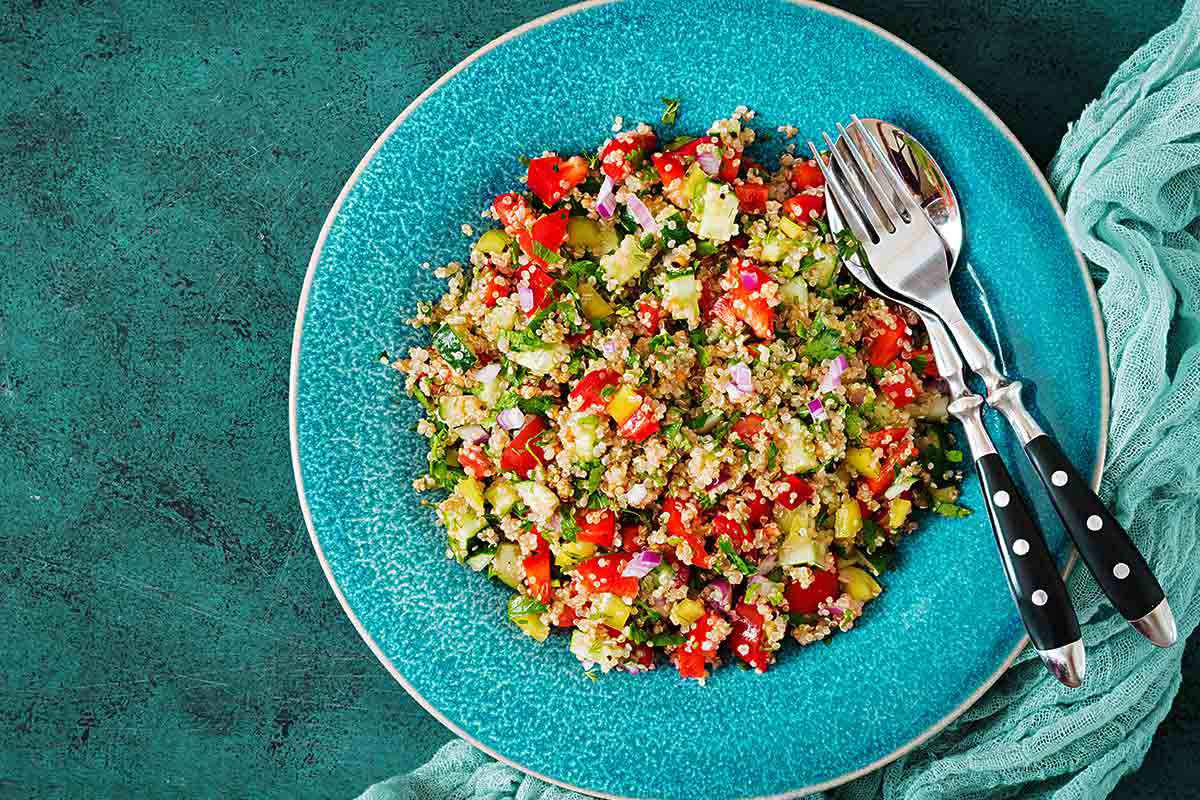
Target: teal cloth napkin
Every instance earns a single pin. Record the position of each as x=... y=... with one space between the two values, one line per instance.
x=1128 y=175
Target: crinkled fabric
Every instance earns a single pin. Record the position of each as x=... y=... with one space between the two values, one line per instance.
x=1128 y=175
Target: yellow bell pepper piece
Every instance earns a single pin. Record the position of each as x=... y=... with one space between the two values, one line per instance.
x=898 y=512
x=687 y=611
x=847 y=522
x=862 y=460
x=859 y=583
x=624 y=403
x=593 y=306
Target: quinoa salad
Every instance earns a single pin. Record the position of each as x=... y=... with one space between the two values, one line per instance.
x=664 y=416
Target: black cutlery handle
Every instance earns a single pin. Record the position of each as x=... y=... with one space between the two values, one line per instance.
x=1104 y=545
x=1032 y=573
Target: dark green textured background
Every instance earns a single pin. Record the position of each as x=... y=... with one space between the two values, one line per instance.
x=164 y=171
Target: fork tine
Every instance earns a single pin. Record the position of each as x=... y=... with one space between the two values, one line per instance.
x=900 y=196
x=854 y=187
x=861 y=162
x=846 y=210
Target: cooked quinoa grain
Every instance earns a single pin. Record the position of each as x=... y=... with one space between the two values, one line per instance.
x=664 y=416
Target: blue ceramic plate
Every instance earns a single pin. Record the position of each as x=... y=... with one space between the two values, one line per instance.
x=944 y=629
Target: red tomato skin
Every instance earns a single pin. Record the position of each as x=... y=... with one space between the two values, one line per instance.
x=752 y=197
x=517 y=456
x=623 y=151
x=805 y=175
x=474 y=461
x=633 y=538
x=688 y=149
x=748 y=635
x=590 y=388
x=796 y=492
x=499 y=286
x=739 y=537
x=596 y=577
x=888 y=341
x=758 y=508
x=598 y=526
x=642 y=424
x=804 y=206
x=901 y=392
x=512 y=211
x=730 y=168
x=537 y=571
x=649 y=316
x=669 y=166
x=807 y=601
x=548 y=174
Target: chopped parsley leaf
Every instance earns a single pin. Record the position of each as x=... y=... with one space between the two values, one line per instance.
x=671 y=111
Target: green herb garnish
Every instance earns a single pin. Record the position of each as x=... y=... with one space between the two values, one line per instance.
x=671 y=111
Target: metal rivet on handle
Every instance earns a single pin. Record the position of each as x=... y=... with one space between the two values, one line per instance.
x=1020 y=547
x=1000 y=498
x=1039 y=598
x=1094 y=522
x=1121 y=571
x=1059 y=478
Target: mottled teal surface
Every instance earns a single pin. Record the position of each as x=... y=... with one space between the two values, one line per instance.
x=163 y=173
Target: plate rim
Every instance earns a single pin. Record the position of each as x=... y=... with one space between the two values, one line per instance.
x=298 y=332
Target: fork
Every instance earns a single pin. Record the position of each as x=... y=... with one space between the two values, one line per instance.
x=1103 y=543
x=1032 y=574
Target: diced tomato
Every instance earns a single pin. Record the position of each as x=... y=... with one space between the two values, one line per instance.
x=887 y=341
x=499 y=286
x=649 y=316
x=540 y=283
x=757 y=506
x=601 y=574
x=633 y=538
x=886 y=438
x=723 y=525
x=474 y=461
x=746 y=640
x=590 y=391
x=550 y=230
x=730 y=168
x=805 y=206
x=930 y=370
x=551 y=178
x=537 y=571
x=523 y=453
x=688 y=150
x=566 y=617
x=698 y=649
x=902 y=390
x=752 y=308
x=642 y=424
x=806 y=175
x=682 y=516
x=698 y=556
x=598 y=526
x=806 y=601
x=512 y=211
x=879 y=484
x=669 y=166
x=796 y=492
x=748 y=427
x=752 y=197
x=624 y=152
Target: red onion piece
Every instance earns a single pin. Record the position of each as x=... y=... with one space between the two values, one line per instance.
x=606 y=201
x=511 y=418
x=710 y=162
x=473 y=434
x=766 y=565
x=817 y=408
x=717 y=594
x=739 y=378
x=640 y=565
x=525 y=298
x=608 y=347
x=833 y=378
x=641 y=214
x=750 y=280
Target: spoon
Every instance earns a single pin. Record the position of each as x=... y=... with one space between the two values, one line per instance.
x=1118 y=566
x=1051 y=623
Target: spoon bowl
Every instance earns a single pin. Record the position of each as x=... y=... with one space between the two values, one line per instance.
x=921 y=174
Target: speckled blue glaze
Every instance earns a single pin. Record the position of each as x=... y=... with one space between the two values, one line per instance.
x=945 y=625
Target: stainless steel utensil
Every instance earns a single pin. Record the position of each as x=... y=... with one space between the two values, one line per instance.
x=1032 y=574
x=897 y=161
